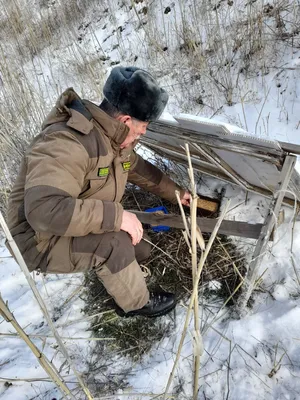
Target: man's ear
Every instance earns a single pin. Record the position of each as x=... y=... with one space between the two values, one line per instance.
x=125 y=119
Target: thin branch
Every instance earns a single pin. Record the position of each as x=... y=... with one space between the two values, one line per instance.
x=23 y=266
x=14 y=335
x=195 y=291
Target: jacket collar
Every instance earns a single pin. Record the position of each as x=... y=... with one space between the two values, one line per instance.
x=112 y=128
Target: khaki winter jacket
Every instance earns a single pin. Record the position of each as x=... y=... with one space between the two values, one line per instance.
x=73 y=177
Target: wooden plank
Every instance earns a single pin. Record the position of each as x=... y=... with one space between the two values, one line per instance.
x=208 y=205
x=231 y=228
x=290 y=147
x=294 y=185
x=174 y=130
x=223 y=130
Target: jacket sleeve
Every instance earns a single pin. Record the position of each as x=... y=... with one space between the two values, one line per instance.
x=56 y=168
x=149 y=177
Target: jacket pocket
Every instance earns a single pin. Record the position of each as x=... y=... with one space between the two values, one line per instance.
x=94 y=185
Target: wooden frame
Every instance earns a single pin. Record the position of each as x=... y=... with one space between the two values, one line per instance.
x=266 y=231
x=210 y=140
x=165 y=138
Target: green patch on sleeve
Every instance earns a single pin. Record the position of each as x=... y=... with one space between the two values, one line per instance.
x=103 y=171
x=126 y=166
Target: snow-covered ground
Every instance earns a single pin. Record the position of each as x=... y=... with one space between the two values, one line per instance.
x=256 y=357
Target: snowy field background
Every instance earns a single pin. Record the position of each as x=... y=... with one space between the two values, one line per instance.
x=213 y=65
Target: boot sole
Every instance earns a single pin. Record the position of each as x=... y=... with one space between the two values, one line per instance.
x=158 y=314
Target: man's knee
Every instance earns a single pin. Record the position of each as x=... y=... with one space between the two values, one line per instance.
x=122 y=251
x=114 y=249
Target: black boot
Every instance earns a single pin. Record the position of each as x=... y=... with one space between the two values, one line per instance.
x=159 y=304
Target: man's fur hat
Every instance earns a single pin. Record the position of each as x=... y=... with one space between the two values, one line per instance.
x=135 y=92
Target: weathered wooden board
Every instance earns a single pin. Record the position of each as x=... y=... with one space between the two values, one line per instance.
x=255 y=171
x=221 y=130
x=170 y=129
x=208 y=205
x=233 y=228
x=225 y=152
x=290 y=147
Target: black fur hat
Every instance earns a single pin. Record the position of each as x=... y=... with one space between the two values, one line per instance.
x=135 y=92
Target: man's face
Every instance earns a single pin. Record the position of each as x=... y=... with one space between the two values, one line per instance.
x=136 y=130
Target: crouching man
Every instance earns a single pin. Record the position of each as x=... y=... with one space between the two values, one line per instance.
x=64 y=210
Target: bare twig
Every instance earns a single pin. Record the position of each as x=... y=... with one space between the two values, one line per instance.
x=44 y=362
x=52 y=337
x=40 y=301
x=195 y=290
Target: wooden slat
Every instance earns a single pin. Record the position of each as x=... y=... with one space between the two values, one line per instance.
x=231 y=228
x=208 y=205
x=290 y=147
x=173 y=130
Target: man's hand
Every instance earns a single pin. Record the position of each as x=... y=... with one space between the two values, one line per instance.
x=186 y=200
x=132 y=225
